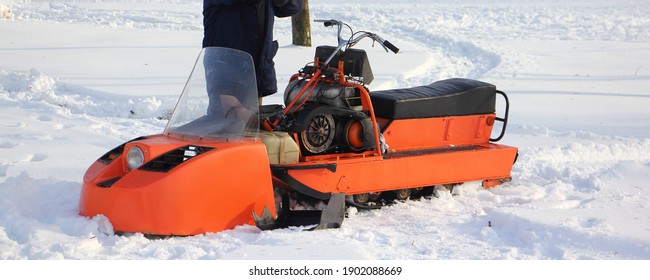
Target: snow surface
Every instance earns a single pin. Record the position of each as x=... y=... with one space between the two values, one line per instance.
x=78 y=78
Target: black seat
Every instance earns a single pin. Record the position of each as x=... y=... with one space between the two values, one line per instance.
x=452 y=97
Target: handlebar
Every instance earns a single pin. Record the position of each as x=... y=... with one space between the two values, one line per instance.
x=356 y=36
x=327 y=22
x=391 y=47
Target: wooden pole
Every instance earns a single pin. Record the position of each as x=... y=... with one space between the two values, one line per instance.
x=300 y=27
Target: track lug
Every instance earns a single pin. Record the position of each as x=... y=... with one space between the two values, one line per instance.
x=330 y=217
x=334 y=213
x=266 y=222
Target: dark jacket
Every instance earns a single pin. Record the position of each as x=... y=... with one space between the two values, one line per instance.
x=247 y=25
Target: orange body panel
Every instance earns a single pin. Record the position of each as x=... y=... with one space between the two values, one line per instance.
x=414 y=134
x=422 y=152
x=403 y=170
x=217 y=190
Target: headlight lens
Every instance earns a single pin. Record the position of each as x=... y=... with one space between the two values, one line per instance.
x=134 y=158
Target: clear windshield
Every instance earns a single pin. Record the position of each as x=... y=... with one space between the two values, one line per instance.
x=219 y=99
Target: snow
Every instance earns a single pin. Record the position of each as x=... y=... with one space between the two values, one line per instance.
x=78 y=78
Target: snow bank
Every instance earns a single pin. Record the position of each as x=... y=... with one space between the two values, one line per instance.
x=35 y=90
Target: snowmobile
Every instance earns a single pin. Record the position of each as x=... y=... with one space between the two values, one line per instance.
x=224 y=160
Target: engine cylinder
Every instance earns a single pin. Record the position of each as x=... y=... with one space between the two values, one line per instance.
x=324 y=93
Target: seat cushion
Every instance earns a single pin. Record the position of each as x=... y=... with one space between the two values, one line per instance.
x=451 y=97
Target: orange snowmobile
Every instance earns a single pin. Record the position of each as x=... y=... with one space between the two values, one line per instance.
x=223 y=160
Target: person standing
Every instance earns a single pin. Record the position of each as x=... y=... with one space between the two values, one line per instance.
x=247 y=25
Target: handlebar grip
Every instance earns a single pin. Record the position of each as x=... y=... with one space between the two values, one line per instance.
x=391 y=46
x=327 y=22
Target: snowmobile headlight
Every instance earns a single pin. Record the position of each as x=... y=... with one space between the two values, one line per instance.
x=134 y=158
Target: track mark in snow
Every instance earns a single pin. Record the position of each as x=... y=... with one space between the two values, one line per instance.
x=566 y=204
x=3 y=170
x=45 y=118
x=37 y=157
x=60 y=126
x=7 y=145
x=449 y=56
x=574 y=238
x=455 y=58
x=138 y=16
